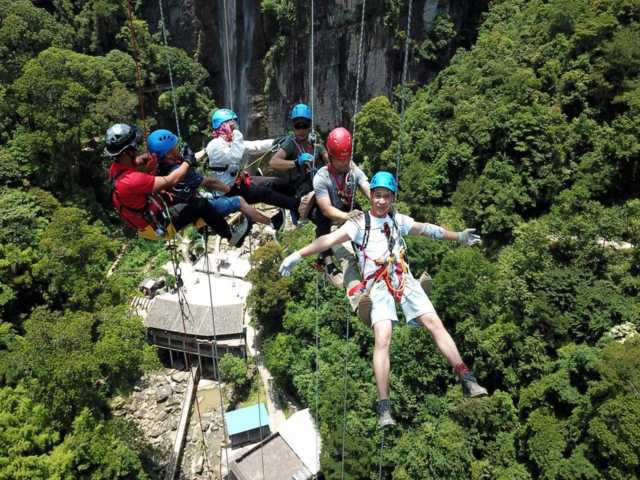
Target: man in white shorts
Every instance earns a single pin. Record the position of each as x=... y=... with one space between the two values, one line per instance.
x=387 y=279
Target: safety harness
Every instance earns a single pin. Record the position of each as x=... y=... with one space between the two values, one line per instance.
x=344 y=187
x=153 y=213
x=387 y=266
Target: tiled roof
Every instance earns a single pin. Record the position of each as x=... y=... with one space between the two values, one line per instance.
x=164 y=314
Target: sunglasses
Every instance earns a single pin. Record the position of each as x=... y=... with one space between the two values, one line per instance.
x=301 y=125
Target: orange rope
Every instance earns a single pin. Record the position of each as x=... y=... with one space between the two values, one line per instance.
x=136 y=58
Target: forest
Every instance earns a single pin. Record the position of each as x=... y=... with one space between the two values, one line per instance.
x=531 y=135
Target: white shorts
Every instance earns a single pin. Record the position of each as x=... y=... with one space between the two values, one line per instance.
x=414 y=302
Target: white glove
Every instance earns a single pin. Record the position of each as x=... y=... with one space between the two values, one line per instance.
x=467 y=237
x=288 y=263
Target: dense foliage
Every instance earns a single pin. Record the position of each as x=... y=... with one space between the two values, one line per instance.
x=67 y=342
x=532 y=137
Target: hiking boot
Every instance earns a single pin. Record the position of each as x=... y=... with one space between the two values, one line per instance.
x=240 y=232
x=364 y=309
x=470 y=386
x=277 y=221
x=384 y=414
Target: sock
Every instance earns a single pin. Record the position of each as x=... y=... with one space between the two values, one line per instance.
x=460 y=369
x=384 y=405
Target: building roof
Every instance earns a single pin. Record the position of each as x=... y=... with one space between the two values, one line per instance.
x=291 y=453
x=277 y=457
x=246 y=419
x=164 y=314
x=299 y=431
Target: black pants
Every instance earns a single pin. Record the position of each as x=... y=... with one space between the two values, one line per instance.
x=184 y=214
x=267 y=190
x=323 y=225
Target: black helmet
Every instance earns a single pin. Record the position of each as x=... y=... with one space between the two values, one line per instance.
x=121 y=136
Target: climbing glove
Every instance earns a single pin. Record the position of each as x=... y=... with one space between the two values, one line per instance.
x=288 y=263
x=467 y=237
x=188 y=156
x=304 y=158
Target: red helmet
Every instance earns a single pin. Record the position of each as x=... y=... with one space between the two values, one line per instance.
x=339 y=143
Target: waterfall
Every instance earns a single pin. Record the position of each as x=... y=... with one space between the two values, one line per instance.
x=240 y=45
x=241 y=97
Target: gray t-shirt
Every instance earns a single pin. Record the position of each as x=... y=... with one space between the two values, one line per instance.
x=338 y=187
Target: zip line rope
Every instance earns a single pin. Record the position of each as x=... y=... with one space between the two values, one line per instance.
x=215 y=340
x=183 y=316
x=405 y=68
x=353 y=196
x=168 y=58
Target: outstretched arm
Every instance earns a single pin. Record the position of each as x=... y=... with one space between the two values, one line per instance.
x=465 y=237
x=320 y=244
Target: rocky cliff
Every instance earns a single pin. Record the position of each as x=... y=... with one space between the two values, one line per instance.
x=269 y=46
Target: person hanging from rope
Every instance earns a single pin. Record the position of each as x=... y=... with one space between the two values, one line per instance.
x=137 y=195
x=295 y=159
x=189 y=185
x=335 y=187
x=386 y=279
x=226 y=152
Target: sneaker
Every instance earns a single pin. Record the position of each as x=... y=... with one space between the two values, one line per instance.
x=426 y=282
x=333 y=274
x=277 y=221
x=384 y=414
x=470 y=386
x=294 y=217
x=240 y=232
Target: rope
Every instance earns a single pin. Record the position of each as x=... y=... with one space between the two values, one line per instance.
x=227 y=60
x=181 y=303
x=136 y=59
x=260 y=420
x=355 y=106
x=173 y=93
x=346 y=355
x=317 y=372
x=381 y=453
x=405 y=69
x=215 y=341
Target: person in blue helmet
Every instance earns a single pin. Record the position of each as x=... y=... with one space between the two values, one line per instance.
x=226 y=152
x=134 y=191
x=189 y=187
x=296 y=162
x=387 y=280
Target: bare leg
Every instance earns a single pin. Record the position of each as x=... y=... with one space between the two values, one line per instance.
x=381 y=364
x=443 y=340
x=253 y=213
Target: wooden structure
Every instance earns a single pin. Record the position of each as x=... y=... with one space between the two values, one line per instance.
x=165 y=330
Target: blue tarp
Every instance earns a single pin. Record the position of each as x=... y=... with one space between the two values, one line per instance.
x=246 y=419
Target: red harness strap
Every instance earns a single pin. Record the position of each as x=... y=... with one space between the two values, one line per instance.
x=243 y=178
x=385 y=272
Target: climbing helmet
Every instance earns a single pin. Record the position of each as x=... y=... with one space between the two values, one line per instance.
x=121 y=136
x=222 y=115
x=160 y=142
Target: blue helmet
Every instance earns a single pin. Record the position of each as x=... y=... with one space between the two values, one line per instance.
x=222 y=115
x=300 y=111
x=161 y=142
x=384 y=180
